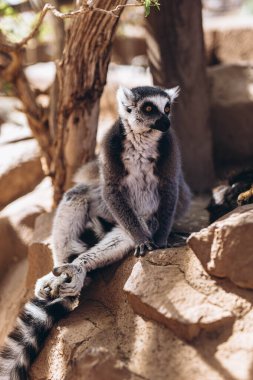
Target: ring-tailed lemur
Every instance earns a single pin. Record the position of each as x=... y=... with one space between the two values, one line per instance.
x=238 y=191
x=132 y=203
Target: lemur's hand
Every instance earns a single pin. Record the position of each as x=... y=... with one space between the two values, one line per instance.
x=47 y=287
x=75 y=279
x=142 y=248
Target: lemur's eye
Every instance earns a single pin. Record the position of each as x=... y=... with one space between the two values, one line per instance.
x=167 y=109
x=149 y=109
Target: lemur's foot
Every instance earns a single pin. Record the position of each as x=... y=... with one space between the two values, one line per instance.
x=74 y=282
x=177 y=239
x=246 y=197
x=48 y=286
x=141 y=249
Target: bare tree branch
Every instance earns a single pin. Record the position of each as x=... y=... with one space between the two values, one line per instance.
x=11 y=68
x=88 y=7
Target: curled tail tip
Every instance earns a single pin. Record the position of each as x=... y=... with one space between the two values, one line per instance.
x=26 y=340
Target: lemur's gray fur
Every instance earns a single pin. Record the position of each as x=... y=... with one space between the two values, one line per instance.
x=129 y=200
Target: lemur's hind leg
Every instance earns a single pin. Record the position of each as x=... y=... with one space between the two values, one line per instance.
x=69 y=222
x=71 y=217
x=113 y=247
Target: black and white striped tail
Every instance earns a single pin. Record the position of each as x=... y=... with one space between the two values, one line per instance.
x=26 y=340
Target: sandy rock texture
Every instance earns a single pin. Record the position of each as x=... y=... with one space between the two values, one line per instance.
x=109 y=337
x=39 y=253
x=105 y=334
x=170 y=300
x=160 y=317
x=17 y=222
x=20 y=170
x=225 y=247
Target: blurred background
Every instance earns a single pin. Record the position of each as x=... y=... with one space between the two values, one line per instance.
x=57 y=100
x=225 y=97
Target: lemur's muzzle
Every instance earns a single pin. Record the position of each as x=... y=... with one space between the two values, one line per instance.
x=162 y=124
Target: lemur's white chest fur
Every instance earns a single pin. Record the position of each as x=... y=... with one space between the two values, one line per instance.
x=139 y=155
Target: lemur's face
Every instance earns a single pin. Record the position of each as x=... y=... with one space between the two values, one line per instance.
x=146 y=107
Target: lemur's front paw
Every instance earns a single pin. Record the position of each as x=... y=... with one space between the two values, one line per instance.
x=142 y=248
x=48 y=286
x=74 y=282
x=177 y=239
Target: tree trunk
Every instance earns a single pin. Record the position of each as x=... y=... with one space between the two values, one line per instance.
x=176 y=55
x=82 y=76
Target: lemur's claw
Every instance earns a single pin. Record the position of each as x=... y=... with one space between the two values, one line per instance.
x=48 y=287
x=75 y=277
x=141 y=249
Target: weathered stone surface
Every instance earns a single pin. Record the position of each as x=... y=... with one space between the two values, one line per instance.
x=105 y=336
x=13 y=295
x=231 y=114
x=39 y=253
x=163 y=294
x=20 y=170
x=225 y=247
x=14 y=126
x=17 y=224
x=144 y=349
x=99 y=364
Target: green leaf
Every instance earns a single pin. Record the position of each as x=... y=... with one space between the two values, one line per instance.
x=147 y=5
x=150 y=3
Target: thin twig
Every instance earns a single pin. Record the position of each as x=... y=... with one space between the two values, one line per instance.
x=49 y=7
x=119 y=7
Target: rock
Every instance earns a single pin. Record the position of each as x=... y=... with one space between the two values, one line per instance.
x=40 y=254
x=99 y=364
x=231 y=115
x=12 y=133
x=225 y=247
x=17 y=224
x=9 y=112
x=105 y=339
x=14 y=126
x=163 y=294
x=20 y=171
x=104 y=332
x=228 y=39
x=13 y=295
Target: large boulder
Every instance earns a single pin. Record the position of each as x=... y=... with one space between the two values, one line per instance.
x=99 y=364
x=17 y=222
x=231 y=114
x=107 y=338
x=40 y=252
x=225 y=247
x=20 y=170
x=161 y=292
x=13 y=296
x=14 y=126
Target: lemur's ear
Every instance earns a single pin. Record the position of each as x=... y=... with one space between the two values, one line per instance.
x=125 y=96
x=173 y=93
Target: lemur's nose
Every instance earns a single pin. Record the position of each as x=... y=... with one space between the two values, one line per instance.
x=162 y=124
